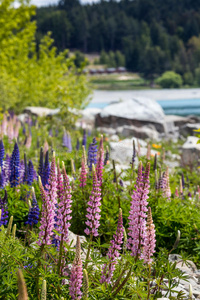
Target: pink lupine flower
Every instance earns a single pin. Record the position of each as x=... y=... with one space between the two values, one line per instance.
x=93 y=209
x=83 y=175
x=150 y=239
x=176 y=192
x=76 y=277
x=10 y=131
x=64 y=209
x=4 y=125
x=137 y=214
x=46 y=147
x=100 y=165
x=28 y=141
x=49 y=197
x=113 y=252
x=16 y=130
x=59 y=183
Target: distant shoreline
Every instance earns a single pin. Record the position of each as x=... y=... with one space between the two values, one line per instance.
x=103 y=96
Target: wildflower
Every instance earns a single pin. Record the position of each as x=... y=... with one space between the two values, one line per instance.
x=4 y=209
x=155 y=162
x=113 y=252
x=100 y=164
x=2 y=153
x=134 y=154
x=77 y=144
x=137 y=214
x=156 y=146
x=149 y=241
x=92 y=154
x=75 y=282
x=64 y=209
x=83 y=175
x=93 y=209
x=49 y=197
x=41 y=163
x=34 y=211
x=106 y=160
x=15 y=166
x=46 y=170
x=84 y=141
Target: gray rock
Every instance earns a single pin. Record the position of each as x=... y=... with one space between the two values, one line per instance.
x=138 y=111
x=190 y=151
x=188 y=129
x=143 y=132
x=108 y=131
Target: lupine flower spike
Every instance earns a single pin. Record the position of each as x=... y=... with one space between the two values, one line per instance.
x=176 y=192
x=155 y=162
x=93 y=209
x=137 y=214
x=22 y=290
x=150 y=240
x=15 y=166
x=99 y=168
x=2 y=153
x=92 y=154
x=49 y=198
x=83 y=174
x=134 y=154
x=75 y=282
x=106 y=160
x=139 y=148
x=148 y=151
x=113 y=252
x=34 y=211
x=4 y=209
x=41 y=163
x=181 y=187
x=64 y=209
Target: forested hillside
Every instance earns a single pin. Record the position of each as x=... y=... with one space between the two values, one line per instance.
x=154 y=35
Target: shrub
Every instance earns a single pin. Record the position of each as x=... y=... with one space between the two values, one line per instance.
x=170 y=79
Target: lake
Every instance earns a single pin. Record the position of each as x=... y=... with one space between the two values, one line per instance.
x=173 y=101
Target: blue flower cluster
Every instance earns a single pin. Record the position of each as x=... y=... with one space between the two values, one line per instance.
x=92 y=154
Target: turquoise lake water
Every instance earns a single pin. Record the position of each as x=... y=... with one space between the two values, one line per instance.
x=180 y=107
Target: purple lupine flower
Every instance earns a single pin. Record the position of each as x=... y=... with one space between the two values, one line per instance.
x=31 y=173
x=46 y=170
x=69 y=143
x=134 y=154
x=106 y=160
x=15 y=166
x=92 y=154
x=189 y=195
x=65 y=139
x=2 y=153
x=183 y=180
x=24 y=130
x=84 y=141
x=137 y=214
x=83 y=175
x=49 y=197
x=4 y=209
x=50 y=132
x=41 y=163
x=2 y=181
x=75 y=282
x=64 y=209
x=34 y=211
x=93 y=209
x=25 y=178
x=77 y=145
x=113 y=252
x=155 y=162
x=166 y=191
x=150 y=239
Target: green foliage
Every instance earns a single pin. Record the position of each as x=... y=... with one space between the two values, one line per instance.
x=170 y=79
x=112 y=59
x=35 y=78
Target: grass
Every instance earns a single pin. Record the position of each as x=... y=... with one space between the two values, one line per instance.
x=127 y=81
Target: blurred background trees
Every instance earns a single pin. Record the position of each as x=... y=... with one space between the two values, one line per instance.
x=152 y=36
x=36 y=74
